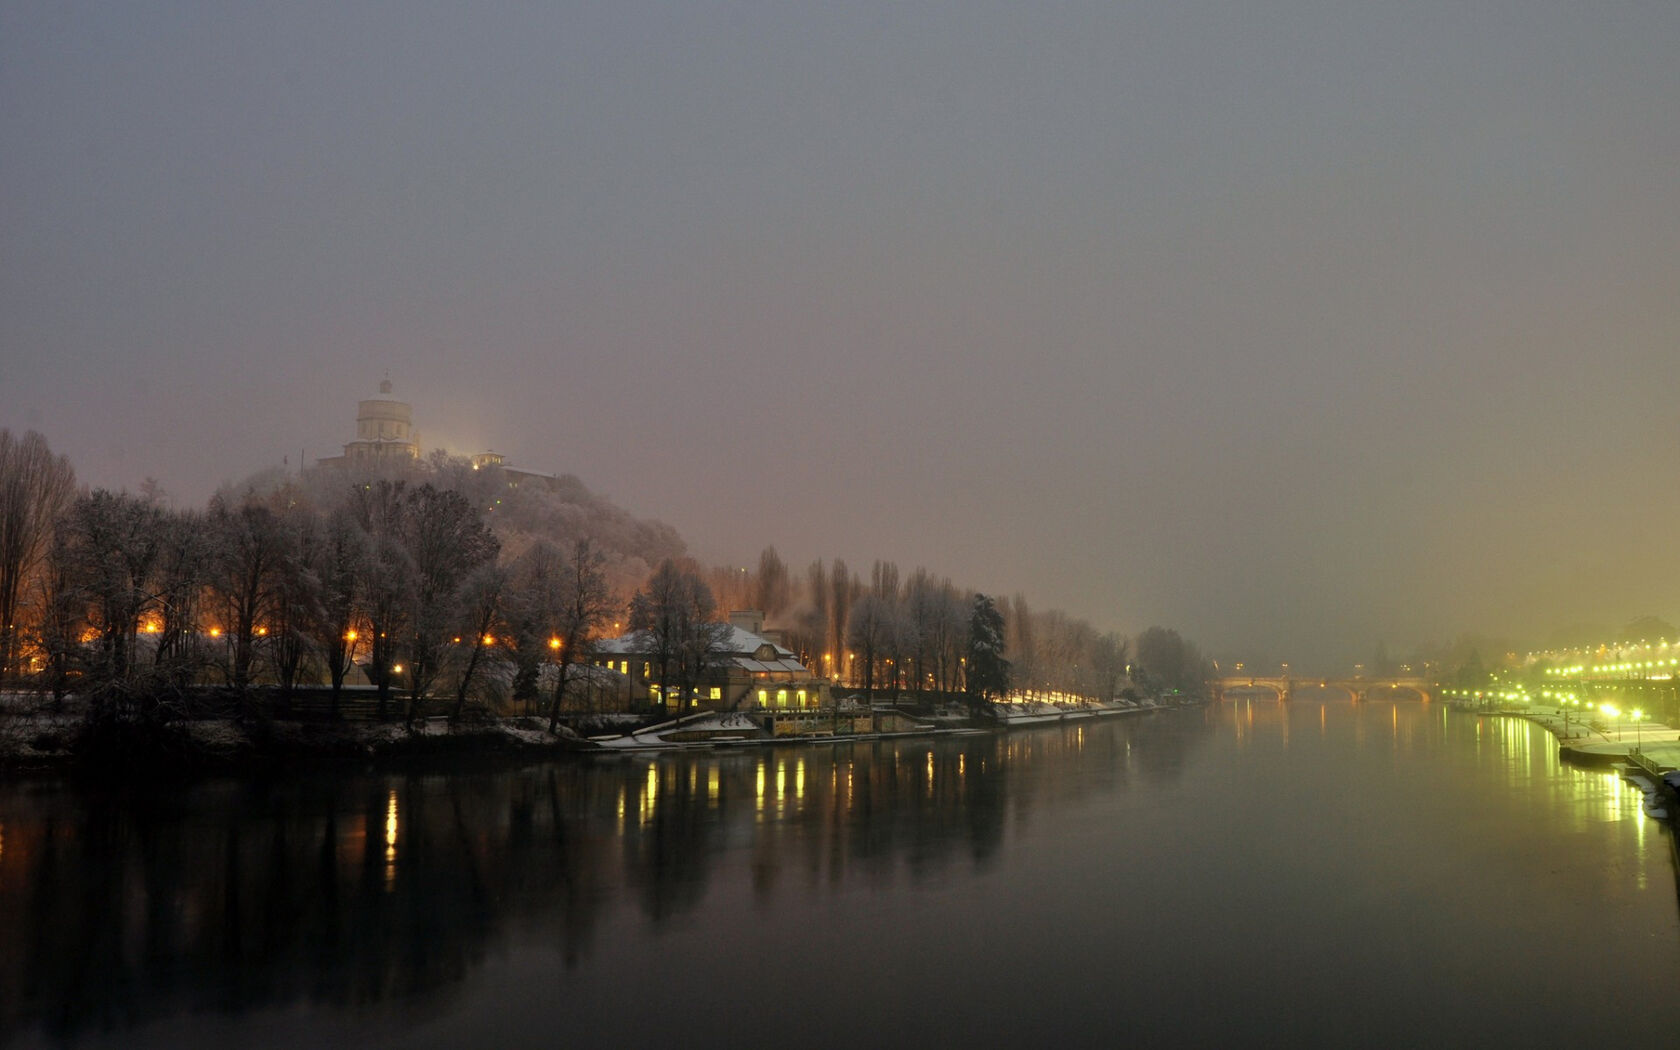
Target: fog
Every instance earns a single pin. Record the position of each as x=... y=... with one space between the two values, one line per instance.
x=1298 y=326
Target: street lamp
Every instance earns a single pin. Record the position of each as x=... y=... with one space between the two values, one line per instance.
x=1638 y=737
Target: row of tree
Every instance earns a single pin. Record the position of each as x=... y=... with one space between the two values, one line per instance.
x=135 y=602
x=896 y=632
x=440 y=580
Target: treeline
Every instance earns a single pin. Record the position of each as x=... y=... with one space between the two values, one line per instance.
x=896 y=632
x=308 y=579
x=441 y=581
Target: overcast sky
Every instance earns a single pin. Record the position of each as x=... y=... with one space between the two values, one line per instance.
x=1294 y=325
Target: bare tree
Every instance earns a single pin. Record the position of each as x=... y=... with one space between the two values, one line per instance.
x=295 y=603
x=872 y=630
x=446 y=540
x=337 y=553
x=529 y=613
x=481 y=610
x=774 y=590
x=883 y=580
x=584 y=606
x=35 y=488
x=1022 y=643
x=387 y=579
x=842 y=591
x=248 y=545
x=1108 y=662
x=182 y=573
x=115 y=543
x=62 y=598
x=937 y=617
x=674 y=617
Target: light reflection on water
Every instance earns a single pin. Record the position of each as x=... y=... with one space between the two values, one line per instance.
x=1035 y=884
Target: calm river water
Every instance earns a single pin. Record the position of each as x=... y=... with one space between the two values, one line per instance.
x=1248 y=874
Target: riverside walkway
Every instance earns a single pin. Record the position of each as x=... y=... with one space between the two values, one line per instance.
x=1596 y=742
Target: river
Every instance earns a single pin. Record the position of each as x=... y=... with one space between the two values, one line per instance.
x=1317 y=873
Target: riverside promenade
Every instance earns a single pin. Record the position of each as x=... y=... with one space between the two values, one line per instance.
x=1602 y=742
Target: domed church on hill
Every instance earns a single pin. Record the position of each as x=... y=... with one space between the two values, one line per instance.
x=384 y=429
x=384 y=432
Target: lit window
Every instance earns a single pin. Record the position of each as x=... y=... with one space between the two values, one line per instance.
x=764 y=698
x=717 y=694
x=801 y=696
x=781 y=698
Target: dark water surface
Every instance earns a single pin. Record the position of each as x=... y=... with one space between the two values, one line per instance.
x=1249 y=874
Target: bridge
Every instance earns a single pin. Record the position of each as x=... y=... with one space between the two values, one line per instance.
x=1357 y=689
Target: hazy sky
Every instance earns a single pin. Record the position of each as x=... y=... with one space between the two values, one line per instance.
x=1295 y=325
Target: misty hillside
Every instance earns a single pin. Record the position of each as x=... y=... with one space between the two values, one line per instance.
x=523 y=508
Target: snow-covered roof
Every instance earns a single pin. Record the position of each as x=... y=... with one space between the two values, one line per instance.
x=745 y=648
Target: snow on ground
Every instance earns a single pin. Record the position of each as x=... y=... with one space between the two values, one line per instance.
x=220 y=736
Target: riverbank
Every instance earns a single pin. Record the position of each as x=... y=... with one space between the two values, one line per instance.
x=705 y=730
x=39 y=738
x=1595 y=743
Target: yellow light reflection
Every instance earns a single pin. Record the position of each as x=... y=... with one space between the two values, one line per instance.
x=799 y=780
x=391 y=841
x=712 y=782
x=391 y=828
x=650 y=797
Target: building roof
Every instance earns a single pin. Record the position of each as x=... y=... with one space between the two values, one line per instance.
x=745 y=649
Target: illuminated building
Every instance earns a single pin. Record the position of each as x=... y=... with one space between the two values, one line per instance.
x=748 y=671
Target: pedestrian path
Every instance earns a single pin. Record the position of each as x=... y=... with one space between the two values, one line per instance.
x=1602 y=741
